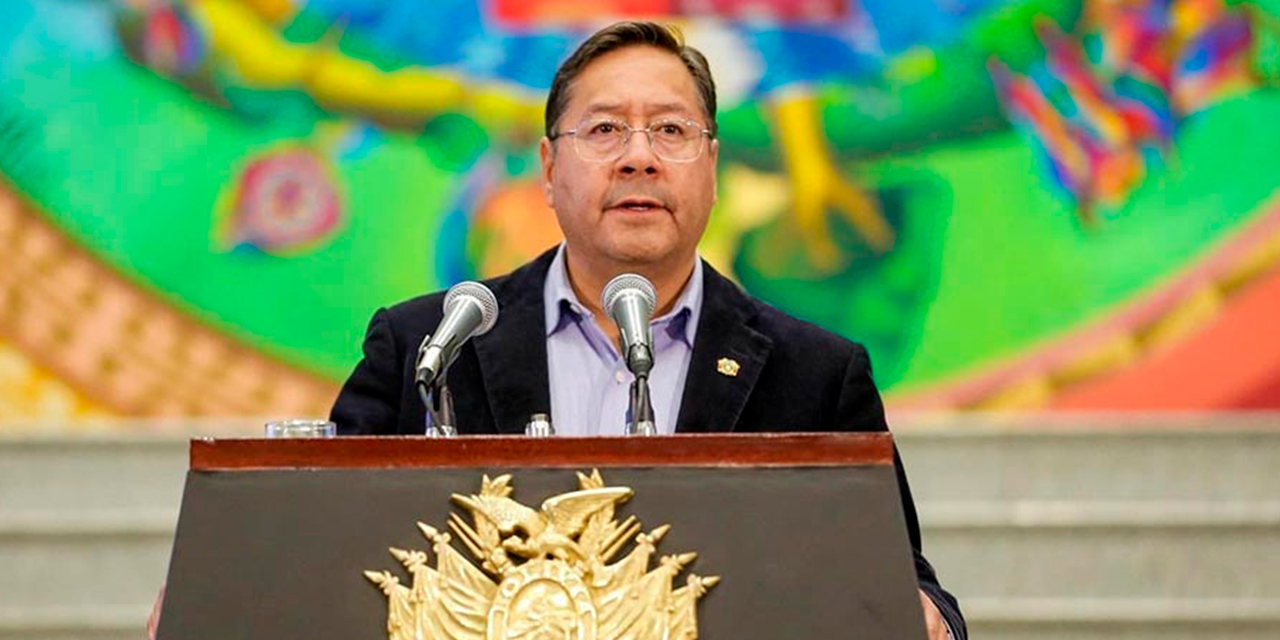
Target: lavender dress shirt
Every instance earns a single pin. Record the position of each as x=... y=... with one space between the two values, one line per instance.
x=590 y=383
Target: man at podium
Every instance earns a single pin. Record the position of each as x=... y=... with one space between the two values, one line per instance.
x=629 y=166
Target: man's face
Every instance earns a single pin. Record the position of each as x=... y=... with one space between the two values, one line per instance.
x=638 y=210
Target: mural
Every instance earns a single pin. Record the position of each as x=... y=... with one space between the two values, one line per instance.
x=1038 y=204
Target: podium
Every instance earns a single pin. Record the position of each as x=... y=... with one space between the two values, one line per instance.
x=795 y=535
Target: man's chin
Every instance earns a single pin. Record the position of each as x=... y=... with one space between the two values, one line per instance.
x=638 y=255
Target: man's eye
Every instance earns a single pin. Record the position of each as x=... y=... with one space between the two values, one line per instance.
x=603 y=129
x=671 y=130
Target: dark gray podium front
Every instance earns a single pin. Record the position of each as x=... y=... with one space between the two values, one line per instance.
x=804 y=531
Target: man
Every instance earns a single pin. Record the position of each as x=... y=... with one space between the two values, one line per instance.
x=628 y=165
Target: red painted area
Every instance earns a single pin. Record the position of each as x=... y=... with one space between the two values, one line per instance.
x=530 y=13
x=773 y=10
x=1232 y=363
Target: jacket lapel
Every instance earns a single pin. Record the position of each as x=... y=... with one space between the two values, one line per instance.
x=513 y=355
x=713 y=400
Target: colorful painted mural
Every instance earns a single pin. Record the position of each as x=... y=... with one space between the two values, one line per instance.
x=1037 y=204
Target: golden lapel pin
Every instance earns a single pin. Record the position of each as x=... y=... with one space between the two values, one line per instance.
x=728 y=367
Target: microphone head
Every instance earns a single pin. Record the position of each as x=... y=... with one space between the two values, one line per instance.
x=632 y=283
x=482 y=295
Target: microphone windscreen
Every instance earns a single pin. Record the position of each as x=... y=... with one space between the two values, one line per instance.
x=628 y=282
x=482 y=295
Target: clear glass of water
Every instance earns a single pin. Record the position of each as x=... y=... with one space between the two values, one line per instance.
x=301 y=428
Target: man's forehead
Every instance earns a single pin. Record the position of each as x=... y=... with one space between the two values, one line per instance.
x=619 y=108
x=637 y=79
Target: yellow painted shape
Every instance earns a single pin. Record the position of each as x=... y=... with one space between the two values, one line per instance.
x=263 y=59
x=29 y=393
x=260 y=56
x=817 y=184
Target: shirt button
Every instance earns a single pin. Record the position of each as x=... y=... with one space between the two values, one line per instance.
x=620 y=376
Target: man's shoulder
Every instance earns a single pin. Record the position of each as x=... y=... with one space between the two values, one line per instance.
x=791 y=334
x=422 y=306
x=787 y=332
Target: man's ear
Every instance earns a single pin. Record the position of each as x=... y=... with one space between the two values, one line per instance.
x=547 y=153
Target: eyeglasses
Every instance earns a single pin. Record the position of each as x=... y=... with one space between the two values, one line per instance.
x=605 y=140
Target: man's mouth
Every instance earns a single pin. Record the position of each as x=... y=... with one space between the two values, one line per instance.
x=637 y=204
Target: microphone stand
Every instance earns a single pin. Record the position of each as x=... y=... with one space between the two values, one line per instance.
x=437 y=400
x=439 y=403
x=641 y=423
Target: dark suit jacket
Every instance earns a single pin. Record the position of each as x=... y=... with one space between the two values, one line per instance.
x=794 y=376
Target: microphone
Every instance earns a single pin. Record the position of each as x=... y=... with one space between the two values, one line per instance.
x=630 y=299
x=470 y=309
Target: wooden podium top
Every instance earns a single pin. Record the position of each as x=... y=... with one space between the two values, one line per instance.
x=702 y=450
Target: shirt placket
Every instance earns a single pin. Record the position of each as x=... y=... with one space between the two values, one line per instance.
x=608 y=413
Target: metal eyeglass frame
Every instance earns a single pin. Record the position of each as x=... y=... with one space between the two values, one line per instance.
x=626 y=138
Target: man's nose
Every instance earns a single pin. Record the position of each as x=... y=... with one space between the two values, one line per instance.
x=638 y=156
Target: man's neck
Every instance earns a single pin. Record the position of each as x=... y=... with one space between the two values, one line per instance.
x=588 y=281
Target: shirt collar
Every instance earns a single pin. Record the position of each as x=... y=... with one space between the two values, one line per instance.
x=562 y=307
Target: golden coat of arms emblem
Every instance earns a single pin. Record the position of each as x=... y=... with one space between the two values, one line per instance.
x=543 y=574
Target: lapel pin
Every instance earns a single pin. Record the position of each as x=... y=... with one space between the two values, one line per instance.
x=728 y=367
